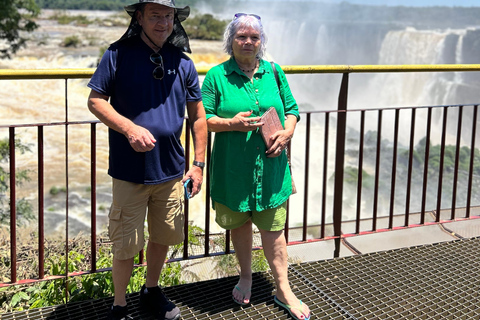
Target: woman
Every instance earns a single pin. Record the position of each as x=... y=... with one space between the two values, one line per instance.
x=250 y=183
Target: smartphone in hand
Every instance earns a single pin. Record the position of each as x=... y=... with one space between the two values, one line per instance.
x=188 y=185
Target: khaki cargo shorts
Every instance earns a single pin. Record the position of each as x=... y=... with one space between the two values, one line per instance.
x=161 y=203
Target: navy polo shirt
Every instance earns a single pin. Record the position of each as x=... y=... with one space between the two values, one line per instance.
x=125 y=75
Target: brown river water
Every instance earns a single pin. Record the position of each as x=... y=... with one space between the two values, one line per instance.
x=43 y=101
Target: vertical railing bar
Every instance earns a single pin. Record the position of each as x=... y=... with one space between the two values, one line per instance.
x=13 y=207
x=472 y=158
x=227 y=242
x=67 y=190
x=307 y=165
x=207 y=196
x=287 y=220
x=425 y=166
x=457 y=157
x=93 y=195
x=141 y=257
x=394 y=169
x=41 y=205
x=186 y=203
x=377 y=171
x=442 y=160
x=339 y=163
x=360 y=172
x=410 y=167
x=324 y=180
x=286 y=229
x=228 y=234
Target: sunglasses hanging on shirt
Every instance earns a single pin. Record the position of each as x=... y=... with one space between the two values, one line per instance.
x=158 y=72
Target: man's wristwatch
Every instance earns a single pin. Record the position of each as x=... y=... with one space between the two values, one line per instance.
x=199 y=164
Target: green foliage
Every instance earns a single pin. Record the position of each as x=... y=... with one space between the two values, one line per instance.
x=98 y=4
x=16 y=17
x=64 y=18
x=56 y=190
x=449 y=159
x=71 y=41
x=417 y=183
x=205 y=27
x=23 y=207
x=85 y=287
x=227 y=265
x=418 y=17
x=84 y=4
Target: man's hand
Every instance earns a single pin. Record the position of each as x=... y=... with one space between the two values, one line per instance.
x=196 y=174
x=140 y=139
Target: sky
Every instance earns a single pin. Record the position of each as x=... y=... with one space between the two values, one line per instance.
x=415 y=3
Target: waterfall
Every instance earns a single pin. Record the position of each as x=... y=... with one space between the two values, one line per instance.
x=312 y=38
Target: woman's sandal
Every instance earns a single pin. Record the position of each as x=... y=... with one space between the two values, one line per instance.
x=244 y=293
x=289 y=308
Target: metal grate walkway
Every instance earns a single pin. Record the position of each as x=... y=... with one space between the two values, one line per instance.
x=437 y=281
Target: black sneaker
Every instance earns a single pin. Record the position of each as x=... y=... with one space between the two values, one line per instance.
x=118 y=313
x=153 y=300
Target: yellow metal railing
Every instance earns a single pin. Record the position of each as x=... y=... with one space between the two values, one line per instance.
x=10 y=74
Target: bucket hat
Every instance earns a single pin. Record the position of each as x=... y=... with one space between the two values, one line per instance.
x=182 y=13
x=178 y=37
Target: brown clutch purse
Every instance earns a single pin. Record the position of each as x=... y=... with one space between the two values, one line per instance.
x=271 y=124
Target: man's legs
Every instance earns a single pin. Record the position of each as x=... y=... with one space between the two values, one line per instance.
x=126 y=224
x=121 y=273
x=165 y=225
x=156 y=255
x=242 y=242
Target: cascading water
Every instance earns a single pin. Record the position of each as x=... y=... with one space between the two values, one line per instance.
x=302 y=36
x=383 y=44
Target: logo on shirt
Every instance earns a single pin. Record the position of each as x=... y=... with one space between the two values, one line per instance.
x=171 y=71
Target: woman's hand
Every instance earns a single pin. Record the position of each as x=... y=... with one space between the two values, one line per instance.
x=242 y=122
x=281 y=139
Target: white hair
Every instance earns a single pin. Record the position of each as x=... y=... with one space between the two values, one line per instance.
x=235 y=25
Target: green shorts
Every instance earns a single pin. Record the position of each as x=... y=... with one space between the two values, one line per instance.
x=270 y=219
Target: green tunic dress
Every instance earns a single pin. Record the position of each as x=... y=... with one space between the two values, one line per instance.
x=241 y=176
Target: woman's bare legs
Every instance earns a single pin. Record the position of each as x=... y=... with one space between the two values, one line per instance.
x=242 y=242
x=275 y=249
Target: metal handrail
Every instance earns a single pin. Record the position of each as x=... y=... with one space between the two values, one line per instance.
x=28 y=74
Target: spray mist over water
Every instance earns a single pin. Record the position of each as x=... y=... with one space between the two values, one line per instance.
x=316 y=34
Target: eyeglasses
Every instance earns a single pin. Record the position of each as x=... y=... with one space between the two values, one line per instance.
x=158 y=72
x=238 y=15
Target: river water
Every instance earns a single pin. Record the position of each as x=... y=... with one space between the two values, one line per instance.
x=43 y=101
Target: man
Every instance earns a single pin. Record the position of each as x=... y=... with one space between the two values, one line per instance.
x=148 y=80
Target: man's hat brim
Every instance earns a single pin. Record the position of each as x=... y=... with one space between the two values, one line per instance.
x=182 y=13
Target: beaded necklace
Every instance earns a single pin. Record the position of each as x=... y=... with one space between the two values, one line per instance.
x=247 y=71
